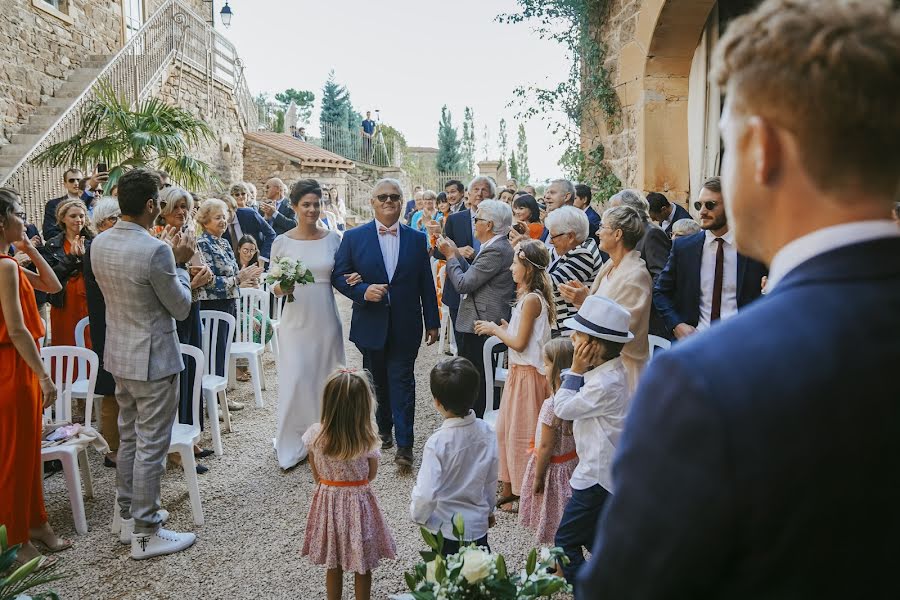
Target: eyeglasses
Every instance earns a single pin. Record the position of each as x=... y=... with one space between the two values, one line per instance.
x=240 y=194
x=248 y=250
x=709 y=204
x=385 y=197
x=21 y=215
x=553 y=237
x=167 y=185
x=112 y=220
x=72 y=180
x=476 y=219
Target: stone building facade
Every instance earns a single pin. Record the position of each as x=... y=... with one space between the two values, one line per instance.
x=665 y=138
x=268 y=154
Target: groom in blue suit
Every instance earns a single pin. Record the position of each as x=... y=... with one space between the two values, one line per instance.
x=761 y=458
x=396 y=295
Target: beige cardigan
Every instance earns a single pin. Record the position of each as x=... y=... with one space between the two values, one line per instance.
x=630 y=285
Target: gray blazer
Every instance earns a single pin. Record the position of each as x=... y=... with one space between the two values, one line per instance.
x=486 y=286
x=144 y=296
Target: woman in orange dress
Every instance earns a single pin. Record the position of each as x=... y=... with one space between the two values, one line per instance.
x=526 y=211
x=65 y=255
x=25 y=389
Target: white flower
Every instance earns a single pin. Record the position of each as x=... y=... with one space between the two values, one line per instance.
x=275 y=271
x=429 y=571
x=476 y=565
x=545 y=554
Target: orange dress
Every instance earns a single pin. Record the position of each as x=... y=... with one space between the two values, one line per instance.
x=63 y=320
x=21 y=486
x=535 y=230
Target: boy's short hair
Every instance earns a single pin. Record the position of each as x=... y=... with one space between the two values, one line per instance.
x=454 y=383
x=611 y=349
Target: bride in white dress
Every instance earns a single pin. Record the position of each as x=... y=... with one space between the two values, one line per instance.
x=310 y=336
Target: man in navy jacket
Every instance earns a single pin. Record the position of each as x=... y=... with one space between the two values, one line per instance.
x=761 y=459
x=250 y=222
x=276 y=208
x=664 y=212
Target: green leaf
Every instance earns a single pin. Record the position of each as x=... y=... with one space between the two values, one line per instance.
x=4 y=540
x=459 y=526
x=410 y=581
x=430 y=539
x=440 y=540
x=501 y=567
x=440 y=568
x=531 y=562
x=427 y=556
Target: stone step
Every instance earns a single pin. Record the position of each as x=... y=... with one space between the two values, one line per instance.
x=39 y=122
x=14 y=151
x=27 y=139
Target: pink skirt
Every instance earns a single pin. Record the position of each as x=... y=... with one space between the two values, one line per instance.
x=543 y=512
x=523 y=395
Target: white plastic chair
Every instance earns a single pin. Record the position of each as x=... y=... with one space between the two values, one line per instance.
x=276 y=305
x=43 y=341
x=492 y=378
x=79 y=387
x=446 y=333
x=658 y=342
x=74 y=459
x=213 y=385
x=251 y=301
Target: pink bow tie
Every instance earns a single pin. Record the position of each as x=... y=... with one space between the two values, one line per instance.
x=382 y=230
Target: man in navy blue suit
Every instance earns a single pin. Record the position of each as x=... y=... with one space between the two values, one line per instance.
x=276 y=208
x=71 y=179
x=706 y=279
x=583 y=197
x=247 y=221
x=396 y=295
x=664 y=212
x=762 y=459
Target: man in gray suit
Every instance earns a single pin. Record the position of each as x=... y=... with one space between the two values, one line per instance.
x=486 y=286
x=145 y=293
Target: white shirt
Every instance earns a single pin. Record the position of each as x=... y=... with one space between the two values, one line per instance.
x=458 y=475
x=489 y=242
x=597 y=403
x=390 y=248
x=708 y=278
x=818 y=242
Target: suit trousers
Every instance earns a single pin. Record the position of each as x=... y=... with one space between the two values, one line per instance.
x=393 y=373
x=146 y=415
x=578 y=526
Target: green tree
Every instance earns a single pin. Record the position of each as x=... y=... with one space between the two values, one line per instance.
x=522 y=157
x=335 y=103
x=502 y=140
x=468 y=140
x=304 y=100
x=152 y=135
x=513 y=166
x=449 y=158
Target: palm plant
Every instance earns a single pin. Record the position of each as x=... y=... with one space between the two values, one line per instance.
x=152 y=135
x=15 y=581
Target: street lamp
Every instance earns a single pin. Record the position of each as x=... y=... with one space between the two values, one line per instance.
x=225 y=14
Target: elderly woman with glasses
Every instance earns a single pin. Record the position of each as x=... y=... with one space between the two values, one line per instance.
x=486 y=286
x=241 y=194
x=575 y=257
x=624 y=279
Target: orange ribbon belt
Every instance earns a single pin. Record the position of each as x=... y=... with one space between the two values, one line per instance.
x=562 y=458
x=343 y=483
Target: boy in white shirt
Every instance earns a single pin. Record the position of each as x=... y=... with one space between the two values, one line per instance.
x=594 y=395
x=459 y=462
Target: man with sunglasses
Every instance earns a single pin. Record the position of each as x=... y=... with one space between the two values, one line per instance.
x=705 y=278
x=72 y=183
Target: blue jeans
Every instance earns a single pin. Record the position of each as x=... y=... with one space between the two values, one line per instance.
x=579 y=525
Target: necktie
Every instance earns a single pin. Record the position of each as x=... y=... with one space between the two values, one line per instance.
x=716 y=312
x=382 y=230
x=232 y=237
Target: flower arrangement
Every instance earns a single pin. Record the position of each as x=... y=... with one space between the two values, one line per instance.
x=474 y=573
x=288 y=272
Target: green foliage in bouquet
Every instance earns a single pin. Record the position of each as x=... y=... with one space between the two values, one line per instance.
x=14 y=582
x=287 y=273
x=476 y=574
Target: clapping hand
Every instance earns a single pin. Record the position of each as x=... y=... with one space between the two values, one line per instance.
x=446 y=246
x=201 y=277
x=249 y=273
x=77 y=247
x=467 y=252
x=268 y=209
x=488 y=328
x=376 y=291
x=574 y=292
x=184 y=245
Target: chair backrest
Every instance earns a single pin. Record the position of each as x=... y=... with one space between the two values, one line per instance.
x=658 y=342
x=275 y=303
x=252 y=303
x=196 y=354
x=43 y=340
x=60 y=362
x=489 y=375
x=79 y=338
x=213 y=320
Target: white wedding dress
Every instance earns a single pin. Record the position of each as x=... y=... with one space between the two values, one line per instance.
x=311 y=344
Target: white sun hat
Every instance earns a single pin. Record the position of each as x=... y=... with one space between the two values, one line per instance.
x=602 y=318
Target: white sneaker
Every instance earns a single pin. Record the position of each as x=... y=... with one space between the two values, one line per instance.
x=128 y=526
x=162 y=541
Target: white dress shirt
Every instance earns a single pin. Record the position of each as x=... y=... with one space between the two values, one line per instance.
x=597 y=403
x=390 y=248
x=708 y=277
x=489 y=242
x=458 y=475
x=818 y=242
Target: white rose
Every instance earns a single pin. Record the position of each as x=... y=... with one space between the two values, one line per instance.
x=476 y=565
x=545 y=554
x=429 y=571
x=275 y=271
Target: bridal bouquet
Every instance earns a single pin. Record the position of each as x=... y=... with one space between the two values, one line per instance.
x=288 y=272
x=478 y=574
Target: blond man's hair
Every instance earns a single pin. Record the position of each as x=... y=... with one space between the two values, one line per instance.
x=348 y=416
x=828 y=71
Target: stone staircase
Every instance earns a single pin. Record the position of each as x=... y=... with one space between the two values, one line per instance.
x=43 y=118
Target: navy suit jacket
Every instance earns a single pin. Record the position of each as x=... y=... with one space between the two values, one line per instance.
x=459 y=229
x=676 y=293
x=50 y=229
x=283 y=219
x=593 y=221
x=252 y=223
x=678 y=213
x=761 y=459
x=397 y=319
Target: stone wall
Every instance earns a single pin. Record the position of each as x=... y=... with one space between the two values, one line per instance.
x=187 y=88
x=262 y=163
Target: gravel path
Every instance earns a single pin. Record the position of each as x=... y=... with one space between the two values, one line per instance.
x=255 y=517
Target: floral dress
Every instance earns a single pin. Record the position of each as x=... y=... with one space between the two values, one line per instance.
x=345 y=527
x=543 y=512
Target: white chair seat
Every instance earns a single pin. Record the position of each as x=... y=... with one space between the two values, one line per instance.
x=214 y=382
x=253 y=303
x=245 y=348
x=183 y=434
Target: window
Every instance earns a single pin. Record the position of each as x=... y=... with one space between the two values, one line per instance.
x=56 y=8
x=133 y=14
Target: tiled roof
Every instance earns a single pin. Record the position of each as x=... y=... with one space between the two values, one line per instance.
x=307 y=154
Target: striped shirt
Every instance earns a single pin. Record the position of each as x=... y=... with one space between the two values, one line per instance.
x=581 y=264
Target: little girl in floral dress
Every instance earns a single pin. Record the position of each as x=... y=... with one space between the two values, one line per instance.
x=545 y=487
x=345 y=529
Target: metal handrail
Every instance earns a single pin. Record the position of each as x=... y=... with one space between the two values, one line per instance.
x=173 y=33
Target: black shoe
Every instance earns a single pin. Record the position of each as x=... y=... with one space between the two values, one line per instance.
x=387 y=441
x=203 y=453
x=109 y=463
x=404 y=457
x=201 y=469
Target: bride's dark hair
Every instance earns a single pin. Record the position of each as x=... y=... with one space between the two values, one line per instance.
x=304 y=187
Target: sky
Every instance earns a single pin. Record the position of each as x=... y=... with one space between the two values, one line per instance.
x=406 y=58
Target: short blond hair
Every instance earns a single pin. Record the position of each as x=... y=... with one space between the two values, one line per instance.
x=208 y=208
x=828 y=71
